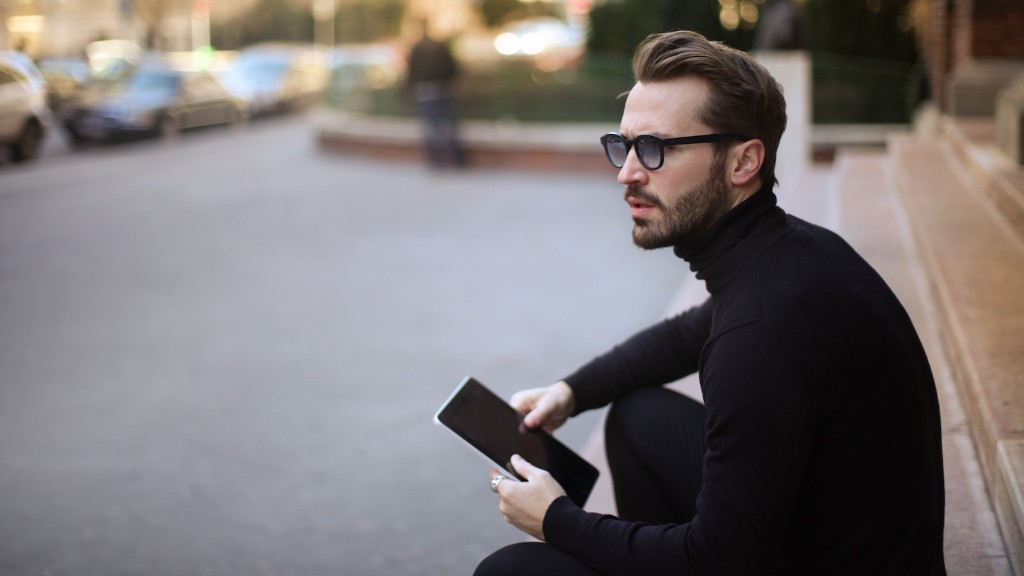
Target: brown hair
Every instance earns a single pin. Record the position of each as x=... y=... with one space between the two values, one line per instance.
x=743 y=98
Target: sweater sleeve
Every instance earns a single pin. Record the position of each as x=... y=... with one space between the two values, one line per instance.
x=760 y=427
x=615 y=546
x=658 y=355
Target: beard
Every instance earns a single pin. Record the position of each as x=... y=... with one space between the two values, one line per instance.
x=688 y=217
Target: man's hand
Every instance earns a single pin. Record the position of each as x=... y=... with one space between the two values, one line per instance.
x=547 y=407
x=524 y=503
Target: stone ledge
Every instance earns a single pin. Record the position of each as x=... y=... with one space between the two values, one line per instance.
x=1000 y=178
x=975 y=263
x=1011 y=512
x=488 y=143
x=972 y=88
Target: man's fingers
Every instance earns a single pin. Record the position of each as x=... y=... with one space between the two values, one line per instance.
x=530 y=402
x=520 y=400
x=524 y=468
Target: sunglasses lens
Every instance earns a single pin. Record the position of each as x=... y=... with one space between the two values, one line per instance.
x=649 y=151
x=615 y=147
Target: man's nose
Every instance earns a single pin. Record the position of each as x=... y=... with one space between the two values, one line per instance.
x=632 y=170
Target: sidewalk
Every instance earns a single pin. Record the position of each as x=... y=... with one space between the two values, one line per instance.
x=970 y=319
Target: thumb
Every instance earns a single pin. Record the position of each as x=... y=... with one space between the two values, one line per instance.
x=524 y=468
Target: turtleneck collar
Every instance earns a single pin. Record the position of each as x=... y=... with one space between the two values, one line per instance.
x=712 y=255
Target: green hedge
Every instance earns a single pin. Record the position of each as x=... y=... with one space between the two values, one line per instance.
x=514 y=91
x=846 y=90
x=855 y=90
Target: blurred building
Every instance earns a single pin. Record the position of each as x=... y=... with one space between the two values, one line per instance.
x=64 y=27
x=972 y=49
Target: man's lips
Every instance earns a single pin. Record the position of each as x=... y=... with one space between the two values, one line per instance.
x=639 y=207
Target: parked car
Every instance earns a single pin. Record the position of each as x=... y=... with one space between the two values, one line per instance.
x=108 y=75
x=24 y=116
x=278 y=78
x=24 y=63
x=65 y=77
x=154 y=101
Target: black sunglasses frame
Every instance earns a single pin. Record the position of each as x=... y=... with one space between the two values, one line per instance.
x=662 y=144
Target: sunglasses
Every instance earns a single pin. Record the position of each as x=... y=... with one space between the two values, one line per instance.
x=650 y=150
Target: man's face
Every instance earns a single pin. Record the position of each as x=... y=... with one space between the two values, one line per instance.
x=675 y=203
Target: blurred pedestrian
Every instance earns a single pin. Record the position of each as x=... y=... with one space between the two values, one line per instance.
x=779 y=28
x=816 y=448
x=432 y=75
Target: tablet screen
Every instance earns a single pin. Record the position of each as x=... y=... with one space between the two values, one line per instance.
x=494 y=428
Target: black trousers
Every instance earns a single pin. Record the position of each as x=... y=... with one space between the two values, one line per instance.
x=655 y=443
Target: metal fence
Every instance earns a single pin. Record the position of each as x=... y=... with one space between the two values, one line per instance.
x=853 y=90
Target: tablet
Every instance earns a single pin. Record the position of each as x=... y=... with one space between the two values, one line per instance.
x=495 y=429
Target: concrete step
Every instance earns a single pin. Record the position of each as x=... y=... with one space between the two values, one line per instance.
x=870 y=214
x=974 y=142
x=973 y=257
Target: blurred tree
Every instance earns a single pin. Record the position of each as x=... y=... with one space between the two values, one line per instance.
x=369 y=20
x=291 y=21
x=495 y=12
x=871 y=28
x=498 y=12
x=617 y=26
x=265 y=21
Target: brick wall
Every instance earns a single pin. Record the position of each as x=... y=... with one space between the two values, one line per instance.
x=998 y=29
x=953 y=32
x=931 y=20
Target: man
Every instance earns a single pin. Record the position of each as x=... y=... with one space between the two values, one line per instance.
x=431 y=79
x=817 y=449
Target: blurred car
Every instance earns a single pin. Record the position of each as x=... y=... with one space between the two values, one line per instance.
x=154 y=101
x=548 y=42
x=24 y=63
x=24 y=116
x=278 y=78
x=65 y=77
x=108 y=76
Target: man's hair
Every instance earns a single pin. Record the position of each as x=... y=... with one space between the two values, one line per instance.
x=743 y=98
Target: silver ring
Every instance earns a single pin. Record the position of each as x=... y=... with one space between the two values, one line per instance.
x=494 y=483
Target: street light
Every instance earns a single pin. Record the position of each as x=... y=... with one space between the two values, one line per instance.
x=324 y=14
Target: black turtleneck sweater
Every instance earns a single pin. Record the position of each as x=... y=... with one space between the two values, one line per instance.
x=824 y=450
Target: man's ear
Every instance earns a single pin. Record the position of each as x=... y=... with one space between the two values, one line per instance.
x=747 y=159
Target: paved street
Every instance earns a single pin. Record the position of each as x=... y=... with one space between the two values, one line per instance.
x=221 y=355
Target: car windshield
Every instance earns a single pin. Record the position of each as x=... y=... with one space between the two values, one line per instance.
x=155 y=81
x=262 y=70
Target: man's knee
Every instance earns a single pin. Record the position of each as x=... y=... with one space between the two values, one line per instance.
x=651 y=413
x=629 y=413
x=513 y=560
x=532 y=559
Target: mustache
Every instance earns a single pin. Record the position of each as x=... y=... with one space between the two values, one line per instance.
x=637 y=192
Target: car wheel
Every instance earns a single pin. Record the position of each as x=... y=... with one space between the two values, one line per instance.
x=28 y=143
